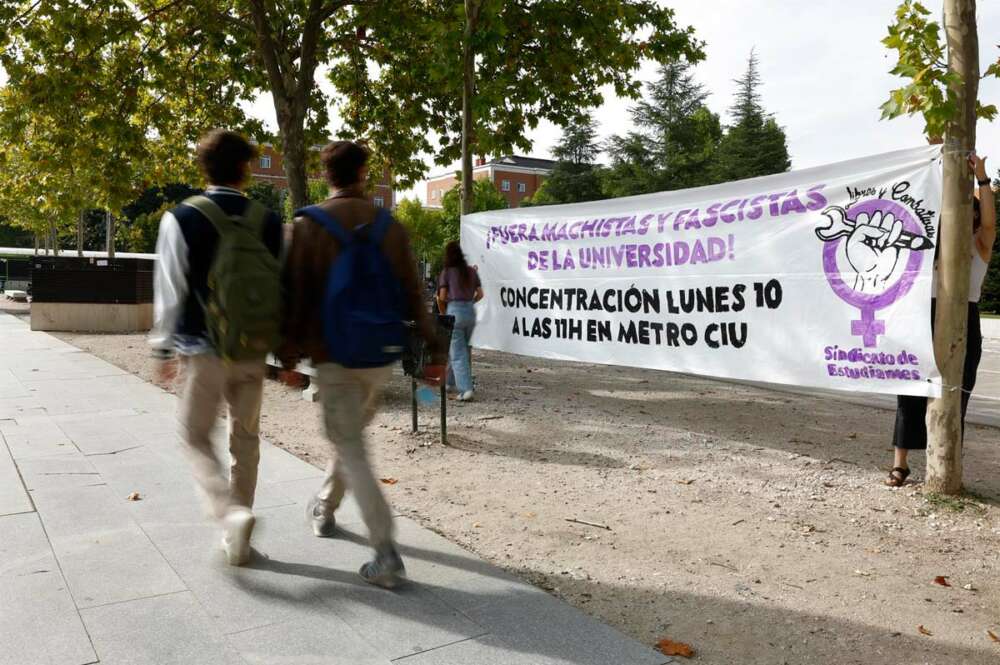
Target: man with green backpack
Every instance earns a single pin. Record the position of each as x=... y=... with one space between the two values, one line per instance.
x=218 y=305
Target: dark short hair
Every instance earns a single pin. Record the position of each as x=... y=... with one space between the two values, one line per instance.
x=343 y=161
x=223 y=155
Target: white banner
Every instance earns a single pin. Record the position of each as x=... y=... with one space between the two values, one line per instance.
x=819 y=277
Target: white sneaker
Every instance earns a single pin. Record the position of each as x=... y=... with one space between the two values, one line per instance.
x=466 y=396
x=238 y=525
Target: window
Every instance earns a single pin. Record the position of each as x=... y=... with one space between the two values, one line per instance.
x=379 y=202
x=265 y=161
x=505 y=185
x=522 y=187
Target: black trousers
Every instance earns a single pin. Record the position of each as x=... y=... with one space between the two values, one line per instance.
x=911 y=412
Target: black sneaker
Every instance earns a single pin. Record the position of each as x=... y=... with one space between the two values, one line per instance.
x=385 y=570
x=324 y=526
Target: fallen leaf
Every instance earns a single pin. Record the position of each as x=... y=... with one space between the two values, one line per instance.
x=968 y=587
x=941 y=580
x=993 y=636
x=134 y=496
x=683 y=482
x=388 y=481
x=671 y=648
x=852 y=435
x=923 y=631
x=862 y=573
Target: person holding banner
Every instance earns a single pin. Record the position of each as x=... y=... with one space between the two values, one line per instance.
x=911 y=427
x=459 y=289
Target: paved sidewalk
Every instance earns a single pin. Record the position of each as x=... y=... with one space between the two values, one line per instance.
x=87 y=576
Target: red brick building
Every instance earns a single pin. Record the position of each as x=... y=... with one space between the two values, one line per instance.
x=515 y=177
x=269 y=168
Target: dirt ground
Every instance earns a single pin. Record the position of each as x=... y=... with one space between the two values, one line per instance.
x=749 y=524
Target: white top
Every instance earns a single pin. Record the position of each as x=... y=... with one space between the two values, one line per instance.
x=977 y=274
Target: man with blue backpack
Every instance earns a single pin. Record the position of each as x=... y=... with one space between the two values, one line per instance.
x=218 y=305
x=352 y=283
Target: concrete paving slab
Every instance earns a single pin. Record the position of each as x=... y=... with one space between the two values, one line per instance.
x=397 y=623
x=244 y=598
x=13 y=494
x=489 y=650
x=166 y=630
x=459 y=578
x=314 y=641
x=39 y=624
x=277 y=466
x=63 y=471
x=542 y=626
x=114 y=566
x=104 y=554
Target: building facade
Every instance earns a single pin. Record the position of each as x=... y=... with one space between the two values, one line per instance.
x=516 y=178
x=269 y=168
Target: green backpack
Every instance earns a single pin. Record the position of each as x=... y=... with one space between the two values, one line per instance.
x=243 y=309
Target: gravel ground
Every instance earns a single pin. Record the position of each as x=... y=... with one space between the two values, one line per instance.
x=747 y=523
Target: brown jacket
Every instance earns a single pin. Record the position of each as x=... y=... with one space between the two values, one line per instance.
x=307 y=264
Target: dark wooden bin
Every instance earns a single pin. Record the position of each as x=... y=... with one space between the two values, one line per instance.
x=70 y=293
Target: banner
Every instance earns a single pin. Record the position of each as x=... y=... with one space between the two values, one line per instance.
x=819 y=277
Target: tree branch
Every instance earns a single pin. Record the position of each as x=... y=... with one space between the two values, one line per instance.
x=268 y=50
x=26 y=11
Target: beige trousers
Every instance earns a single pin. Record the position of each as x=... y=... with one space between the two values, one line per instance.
x=350 y=398
x=207 y=381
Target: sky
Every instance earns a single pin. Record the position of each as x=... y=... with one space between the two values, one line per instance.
x=824 y=69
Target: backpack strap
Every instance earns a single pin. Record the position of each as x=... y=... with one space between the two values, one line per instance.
x=327 y=221
x=253 y=214
x=383 y=220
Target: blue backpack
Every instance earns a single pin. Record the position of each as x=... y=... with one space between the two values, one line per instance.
x=363 y=307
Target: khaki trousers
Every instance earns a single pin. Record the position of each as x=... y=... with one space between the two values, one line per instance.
x=207 y=381
x=350 y=398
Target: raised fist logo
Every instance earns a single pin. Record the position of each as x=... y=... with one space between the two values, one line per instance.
x=875 y=239
x=871 y=250
x=872 y=258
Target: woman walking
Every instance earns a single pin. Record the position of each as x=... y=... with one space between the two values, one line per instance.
x=911 y=427
x=459 y=289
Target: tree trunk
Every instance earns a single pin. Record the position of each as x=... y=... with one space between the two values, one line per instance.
x=468 y=90
x=53 y=239
x=294 y=155
x=944 y=415
x=109 y=234
x=291 y=87
x=37 y=243
x=79 y=232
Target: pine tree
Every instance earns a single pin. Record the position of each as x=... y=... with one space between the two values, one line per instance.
x=675 y=138
x=754 y=145
x=578 y=143
x=575 y=177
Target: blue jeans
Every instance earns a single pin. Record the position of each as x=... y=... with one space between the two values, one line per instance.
x=461 y=360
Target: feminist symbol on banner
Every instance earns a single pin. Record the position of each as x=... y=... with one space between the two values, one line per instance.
x=881 y=258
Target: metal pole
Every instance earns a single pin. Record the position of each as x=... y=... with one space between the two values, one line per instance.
x=413 y=402
x=444 y=413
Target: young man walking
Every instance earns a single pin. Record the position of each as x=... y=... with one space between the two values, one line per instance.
x=346 y=238
x=217 y=305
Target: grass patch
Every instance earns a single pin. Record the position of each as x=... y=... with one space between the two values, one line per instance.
x=956 y=504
